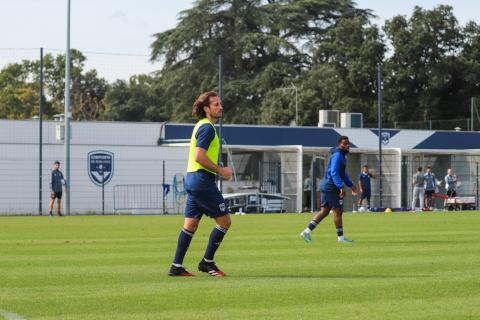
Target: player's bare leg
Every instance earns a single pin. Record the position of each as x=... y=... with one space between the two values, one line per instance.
x=59 y=204
x=50 y=206
x=191 y=224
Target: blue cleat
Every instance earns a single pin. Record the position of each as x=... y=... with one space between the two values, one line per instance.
x=345 y=240
x=306 y=236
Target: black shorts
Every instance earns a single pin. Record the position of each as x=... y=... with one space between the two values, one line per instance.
x=429 y=193
x=451 y=193
x=57 y=195
x=365 y=195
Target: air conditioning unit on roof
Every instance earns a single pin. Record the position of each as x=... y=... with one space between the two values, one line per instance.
x=351 y=120
x=326 y=118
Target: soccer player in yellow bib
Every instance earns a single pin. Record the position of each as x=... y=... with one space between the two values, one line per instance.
x=203 y=196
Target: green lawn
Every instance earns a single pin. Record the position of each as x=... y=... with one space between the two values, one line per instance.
x=401 y=266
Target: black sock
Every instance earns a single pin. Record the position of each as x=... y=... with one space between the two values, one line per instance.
x=312 y=225
x=340 y=231
x=184 y=239
x=214 y=242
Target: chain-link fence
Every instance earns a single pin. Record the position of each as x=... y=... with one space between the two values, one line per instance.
x=397 y=175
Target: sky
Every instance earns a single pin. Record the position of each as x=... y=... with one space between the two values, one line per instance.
x=125 y=28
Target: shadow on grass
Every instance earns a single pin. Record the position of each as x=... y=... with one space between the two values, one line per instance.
x=332 y=276
x=416 y=241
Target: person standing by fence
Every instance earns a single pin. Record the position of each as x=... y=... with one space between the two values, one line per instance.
x=57 y=182
x=418 y=189
x=430 y=186
x=365 y=186
x=451 y=183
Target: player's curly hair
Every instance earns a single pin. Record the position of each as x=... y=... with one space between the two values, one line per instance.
x=202 y=101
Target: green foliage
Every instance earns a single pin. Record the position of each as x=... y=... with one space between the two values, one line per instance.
x=19 y=86
x=139 y=99
x=431 y=74
x=264 y=45
x=329 y=50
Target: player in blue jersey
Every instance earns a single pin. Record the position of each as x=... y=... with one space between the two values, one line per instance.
x=365 y=186
x=203 y=196
x=333 y=191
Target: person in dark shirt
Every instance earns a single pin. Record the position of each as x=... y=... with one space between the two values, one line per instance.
x=203 y=196
x=365 y=186
x=57 y=182
x=333 y=191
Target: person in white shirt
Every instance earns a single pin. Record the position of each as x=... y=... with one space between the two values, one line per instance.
x=451 y=181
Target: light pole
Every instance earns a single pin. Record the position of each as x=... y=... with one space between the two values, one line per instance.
x=293 y=87
x=67 y=115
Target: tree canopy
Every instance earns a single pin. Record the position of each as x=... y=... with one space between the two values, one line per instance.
x=325 y=51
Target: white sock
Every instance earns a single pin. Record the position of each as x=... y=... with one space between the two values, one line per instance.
x=340 y=238
x=307 y=231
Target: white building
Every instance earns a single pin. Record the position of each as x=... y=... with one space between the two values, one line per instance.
x=277 y=159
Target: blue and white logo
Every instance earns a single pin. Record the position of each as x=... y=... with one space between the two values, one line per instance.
x=385 y=137
x=100 y=166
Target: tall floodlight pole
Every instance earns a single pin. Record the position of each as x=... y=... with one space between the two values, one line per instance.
x=472 y=108
x=220 y=92
x=67 y=115
x=379 y=103
x=40 y=135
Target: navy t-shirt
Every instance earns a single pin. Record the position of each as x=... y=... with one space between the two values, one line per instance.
x=202 y=179
x=205 y=135
x=365 y=181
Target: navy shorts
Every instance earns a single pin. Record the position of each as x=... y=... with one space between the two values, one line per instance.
x=365 y=195
x=331 y=199
x=57 y=195
x=208 y=200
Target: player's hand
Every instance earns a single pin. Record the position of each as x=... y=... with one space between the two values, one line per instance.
x=354 y=191
x=342 y=193
x=52 y=194
x=226 y=173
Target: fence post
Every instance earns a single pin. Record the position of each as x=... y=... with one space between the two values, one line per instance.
x=163 y=187
x=476 y=197
x=379 y=107
x=103 y=192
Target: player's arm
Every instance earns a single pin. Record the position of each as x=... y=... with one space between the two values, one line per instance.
x=64 y=182
x=335 y=171
x=360 y=187
x=51 y=182
x=201 y=157
x=350 y=184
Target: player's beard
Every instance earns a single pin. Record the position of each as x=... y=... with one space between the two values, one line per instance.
x=217 y=116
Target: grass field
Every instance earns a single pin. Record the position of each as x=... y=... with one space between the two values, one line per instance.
x=401 y=266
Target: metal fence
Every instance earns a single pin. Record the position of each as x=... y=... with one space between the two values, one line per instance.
x=397 y=175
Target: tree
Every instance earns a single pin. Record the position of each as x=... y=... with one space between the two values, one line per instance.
x=19 y=86
x=425 y=77
x=18 y=91
x=139 y=99
x=265 y=44
x=343 y=73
